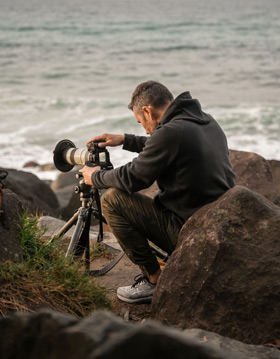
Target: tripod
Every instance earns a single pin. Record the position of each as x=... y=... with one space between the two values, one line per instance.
x=79 y=243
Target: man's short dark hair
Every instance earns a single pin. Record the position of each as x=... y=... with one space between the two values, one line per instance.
x=150 y=93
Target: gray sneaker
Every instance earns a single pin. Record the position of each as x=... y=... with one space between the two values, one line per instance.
x=140 y=292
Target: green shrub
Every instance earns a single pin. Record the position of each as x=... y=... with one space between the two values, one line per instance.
x=47 y=279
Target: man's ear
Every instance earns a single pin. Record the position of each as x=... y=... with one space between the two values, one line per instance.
x=148 y=111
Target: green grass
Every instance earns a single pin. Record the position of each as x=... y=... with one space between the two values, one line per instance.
x=47 y=279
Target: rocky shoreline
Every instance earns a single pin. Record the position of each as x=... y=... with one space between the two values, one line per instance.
x=57 y=198
x=223 y=276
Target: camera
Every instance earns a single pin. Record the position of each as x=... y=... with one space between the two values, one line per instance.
x=66 y=156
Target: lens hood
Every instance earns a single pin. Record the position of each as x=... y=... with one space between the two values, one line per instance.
x=59 y=155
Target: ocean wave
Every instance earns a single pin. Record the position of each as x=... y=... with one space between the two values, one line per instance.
x=18 y=104
x=253 y=129
x=68 y=70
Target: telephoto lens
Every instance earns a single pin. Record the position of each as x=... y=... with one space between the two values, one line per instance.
x=66 y=156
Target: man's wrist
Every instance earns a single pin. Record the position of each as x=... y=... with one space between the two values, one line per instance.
x=93 y=176
x=128 y=138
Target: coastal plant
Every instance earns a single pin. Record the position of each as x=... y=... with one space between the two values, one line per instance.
x=46 y=278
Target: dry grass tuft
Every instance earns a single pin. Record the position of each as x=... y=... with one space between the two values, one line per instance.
x=47 y=279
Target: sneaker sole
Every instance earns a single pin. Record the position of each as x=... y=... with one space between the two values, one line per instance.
x=146 y=300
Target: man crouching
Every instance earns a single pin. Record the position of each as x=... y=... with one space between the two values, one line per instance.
x=186 y=153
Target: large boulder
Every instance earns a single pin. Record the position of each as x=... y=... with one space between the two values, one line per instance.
x=49 y=334
x=65 y=179
x=64 y=196
x=254 y=172
x=63 y=187
x=224 y=274
x=10 y=248
x=275 y=169
x=74 y=203
x=34 y=194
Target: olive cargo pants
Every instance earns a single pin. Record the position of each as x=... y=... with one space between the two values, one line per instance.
x=135 y=219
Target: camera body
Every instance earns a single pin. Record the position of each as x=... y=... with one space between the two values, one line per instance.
x=100 y=156
x=66 y=156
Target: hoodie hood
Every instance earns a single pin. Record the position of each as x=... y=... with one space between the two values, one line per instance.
x=184 y=107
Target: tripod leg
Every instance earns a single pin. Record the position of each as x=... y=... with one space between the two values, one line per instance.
x=87 y=253
x=82 y=216
x=65 y=228
x=83 y=243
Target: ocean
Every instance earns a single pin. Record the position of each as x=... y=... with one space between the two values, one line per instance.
x=68 y=68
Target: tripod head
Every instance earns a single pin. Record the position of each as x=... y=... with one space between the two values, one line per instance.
x=87 y=196
x=86 y=191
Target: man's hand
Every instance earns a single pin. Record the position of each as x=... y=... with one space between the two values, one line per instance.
x=107 y=139
x=87 y=172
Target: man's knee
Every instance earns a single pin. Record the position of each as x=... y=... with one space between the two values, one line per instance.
x=110 y=195
x=114 y=206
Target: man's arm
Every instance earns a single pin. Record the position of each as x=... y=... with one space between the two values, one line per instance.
x=134 y=143
x=107 y=139
x=151 y=163
x=130 y=142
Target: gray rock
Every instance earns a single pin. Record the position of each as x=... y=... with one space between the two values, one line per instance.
x=10 y=248
x=63 y=187
x=51 y=335
x=31 y=164
x=34 y=194
x=254 y=172
x=51 y=227
x=47 y=167
x=73 y=204
x=235 y=347
x=224 y=274
x=275 y=168
x=65 y=179
x=64 y=196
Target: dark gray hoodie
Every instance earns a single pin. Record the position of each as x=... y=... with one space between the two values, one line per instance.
x=187 y=155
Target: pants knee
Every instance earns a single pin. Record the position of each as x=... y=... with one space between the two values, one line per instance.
x=114 y=200
x=110 y=196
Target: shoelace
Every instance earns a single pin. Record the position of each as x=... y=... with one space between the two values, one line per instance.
x=140 y=278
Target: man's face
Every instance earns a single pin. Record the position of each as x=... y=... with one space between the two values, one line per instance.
x=146 y=120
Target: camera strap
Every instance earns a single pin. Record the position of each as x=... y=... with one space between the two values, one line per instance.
x=109 y=266
x=98 y=204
